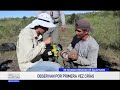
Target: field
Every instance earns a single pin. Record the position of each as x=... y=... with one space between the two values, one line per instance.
x=106 y=31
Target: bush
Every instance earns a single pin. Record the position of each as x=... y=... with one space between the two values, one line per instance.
x=72 y=18
x=116 y=13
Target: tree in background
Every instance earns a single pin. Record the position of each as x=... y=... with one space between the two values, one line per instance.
x=116 y=13
x=72 y=18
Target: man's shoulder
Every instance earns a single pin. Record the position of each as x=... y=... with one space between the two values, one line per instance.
x=93 y=42
x=92 y=39
x=26 y=31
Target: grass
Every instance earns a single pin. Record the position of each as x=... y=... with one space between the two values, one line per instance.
x=66 y=37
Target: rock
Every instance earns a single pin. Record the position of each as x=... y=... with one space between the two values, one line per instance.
x=109 y=62
x=7 y=47
x=5 y=65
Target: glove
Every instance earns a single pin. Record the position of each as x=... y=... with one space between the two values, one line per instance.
x=72 y=55
x=47 y=53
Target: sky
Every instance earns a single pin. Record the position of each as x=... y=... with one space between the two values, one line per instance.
x=14 y=14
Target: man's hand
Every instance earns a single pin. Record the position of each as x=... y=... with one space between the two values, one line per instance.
x=72 y=55
x=63 y=28
x=48 y=40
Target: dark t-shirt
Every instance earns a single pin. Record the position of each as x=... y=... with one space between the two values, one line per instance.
x=74 y=41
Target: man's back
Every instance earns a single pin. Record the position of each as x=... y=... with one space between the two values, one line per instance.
x=54 y=14
x=57 y=16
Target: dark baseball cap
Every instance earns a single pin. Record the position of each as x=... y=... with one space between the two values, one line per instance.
x=83 y=24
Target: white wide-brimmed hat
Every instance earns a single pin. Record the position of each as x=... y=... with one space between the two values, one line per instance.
x=44 y=20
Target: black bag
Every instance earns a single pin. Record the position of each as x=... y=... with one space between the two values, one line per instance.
x=45 y=56
x=7 y=47
x=4 y=65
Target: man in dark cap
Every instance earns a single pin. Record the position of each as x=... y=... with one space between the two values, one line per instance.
x=84 y=54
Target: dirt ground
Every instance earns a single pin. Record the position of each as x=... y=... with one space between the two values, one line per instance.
x=103 y=62
x=113 y=66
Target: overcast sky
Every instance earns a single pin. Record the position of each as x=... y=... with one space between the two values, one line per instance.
x=5 y=14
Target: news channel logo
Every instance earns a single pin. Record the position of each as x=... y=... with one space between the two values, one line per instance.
x=13 y=76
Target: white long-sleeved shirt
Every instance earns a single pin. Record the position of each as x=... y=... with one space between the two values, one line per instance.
x=87 y=52
x=57 y=15
x=29 y=48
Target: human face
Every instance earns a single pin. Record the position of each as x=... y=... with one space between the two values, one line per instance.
x=44 y=29
x=80 y=33
x=41 y=30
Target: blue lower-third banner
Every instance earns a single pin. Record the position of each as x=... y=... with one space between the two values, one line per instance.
x=83 y=69
x=13 y=81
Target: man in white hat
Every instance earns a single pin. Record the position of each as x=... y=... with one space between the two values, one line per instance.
x=58 y=18
x=30 y=45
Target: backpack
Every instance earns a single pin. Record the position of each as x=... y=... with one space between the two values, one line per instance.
x=55 y=19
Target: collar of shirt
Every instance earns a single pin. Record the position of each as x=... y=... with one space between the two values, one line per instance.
x=34 y=33
x=85 y=38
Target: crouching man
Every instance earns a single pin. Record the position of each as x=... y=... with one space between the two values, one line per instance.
x=85 y=52
x=30 y=45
